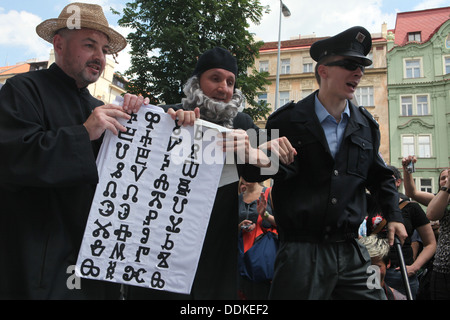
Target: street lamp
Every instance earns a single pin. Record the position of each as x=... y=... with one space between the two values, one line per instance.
x=285 y=11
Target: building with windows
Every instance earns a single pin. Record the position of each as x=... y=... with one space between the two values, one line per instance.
x=297 y=78
x=22 y=67
x=418 y=62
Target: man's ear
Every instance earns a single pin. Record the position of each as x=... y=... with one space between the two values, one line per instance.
x=58 y=43
x=322 y=70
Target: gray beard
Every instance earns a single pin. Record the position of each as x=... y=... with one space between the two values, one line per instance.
x=210 y=110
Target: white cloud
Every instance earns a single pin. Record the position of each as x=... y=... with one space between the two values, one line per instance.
x=17 y=29
x=324 y=18
x=18 y=33
x=124 y=57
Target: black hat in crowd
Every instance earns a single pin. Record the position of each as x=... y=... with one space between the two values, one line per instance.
x=216 y=58
x=355 y=42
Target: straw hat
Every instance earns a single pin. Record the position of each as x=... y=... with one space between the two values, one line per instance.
x=91 y=16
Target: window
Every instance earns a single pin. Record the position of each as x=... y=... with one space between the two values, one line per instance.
x=408 y=146
x=285 y=66
x=370 y=56
x=422 y=105
x=447 y=65
x=284 y=98
x=264 y=66
x=424 y=146
x=306 y=92
x=307 y=67
x=412 y=68
x=364 y=96
x=425 y=185
x=419 y=145
x=117 y=82
x=414 y=36
x=415 y=105
x=262 y=97
x=407 y=109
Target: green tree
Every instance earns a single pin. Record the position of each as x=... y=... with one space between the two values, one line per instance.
x=169 y=35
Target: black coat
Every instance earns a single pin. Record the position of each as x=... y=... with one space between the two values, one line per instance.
x=48 y=176
x=318 y=198
x=217 y=268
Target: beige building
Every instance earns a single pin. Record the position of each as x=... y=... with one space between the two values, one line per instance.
x=297 y=78
x=107 y=88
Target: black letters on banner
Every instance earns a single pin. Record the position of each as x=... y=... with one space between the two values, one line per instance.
x=141 y=207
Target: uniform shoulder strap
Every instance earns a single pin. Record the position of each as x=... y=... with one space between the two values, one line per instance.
x=369 y=116
x=403 y=204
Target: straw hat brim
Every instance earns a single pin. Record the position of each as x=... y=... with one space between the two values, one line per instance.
x=47 y=30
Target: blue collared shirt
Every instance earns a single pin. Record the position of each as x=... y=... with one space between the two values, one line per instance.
x=334 y=131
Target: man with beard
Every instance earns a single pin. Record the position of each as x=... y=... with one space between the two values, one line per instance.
x=212 y=96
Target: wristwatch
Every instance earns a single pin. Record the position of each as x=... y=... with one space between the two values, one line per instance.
x=266 y=214
x=445 y=189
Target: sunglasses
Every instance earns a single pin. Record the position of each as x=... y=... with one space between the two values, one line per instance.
x=346 y=64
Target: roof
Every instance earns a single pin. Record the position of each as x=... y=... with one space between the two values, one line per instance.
x=16 y=69
x=290 y=44
x=427 y=22
x=300 y=43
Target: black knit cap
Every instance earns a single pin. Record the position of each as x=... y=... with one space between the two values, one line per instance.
x=355 y=42
x=216 y=58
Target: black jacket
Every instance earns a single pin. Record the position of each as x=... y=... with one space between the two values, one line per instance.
x=318 y=198
x=48 y=177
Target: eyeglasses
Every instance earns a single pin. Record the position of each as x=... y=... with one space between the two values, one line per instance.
x=346 y=64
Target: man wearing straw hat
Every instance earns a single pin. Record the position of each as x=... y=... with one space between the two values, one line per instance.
x=50 y=134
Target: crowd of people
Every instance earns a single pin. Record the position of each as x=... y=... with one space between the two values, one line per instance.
x=329 y=179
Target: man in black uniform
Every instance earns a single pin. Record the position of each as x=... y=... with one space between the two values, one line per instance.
x=320 y=197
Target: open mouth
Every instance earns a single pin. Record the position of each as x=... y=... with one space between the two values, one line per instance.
x=352 y=85
x=95 y=67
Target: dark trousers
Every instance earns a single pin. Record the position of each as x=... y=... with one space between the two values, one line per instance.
x=323 y=271
x=440 y=286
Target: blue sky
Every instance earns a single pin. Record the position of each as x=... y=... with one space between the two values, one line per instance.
x=18 y=19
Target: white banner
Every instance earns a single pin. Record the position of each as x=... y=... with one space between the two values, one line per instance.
x=152 y=205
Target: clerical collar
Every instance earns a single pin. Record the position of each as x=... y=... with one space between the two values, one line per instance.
x=65 y=77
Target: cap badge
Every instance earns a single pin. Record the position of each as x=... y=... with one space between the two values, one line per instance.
x=360 y=37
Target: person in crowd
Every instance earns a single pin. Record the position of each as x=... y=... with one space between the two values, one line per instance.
x=379 y=249
x=438 y=209
x=255 y=207
x=414 y=220
x=424 y=274
x=212 y=95
x=411 y=191
x=438 y=212
x=252 y=205
x=320 y=198
x=51 y=129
